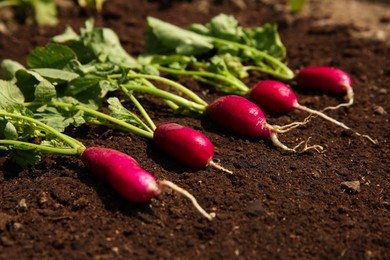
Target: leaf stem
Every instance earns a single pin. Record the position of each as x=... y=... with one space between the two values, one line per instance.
x=169 y=96
x=42 y=148
x=280 y=69
x=239 y=85
x=67 y=139
x=130 y=128
x=171 y=83
x=140 y=108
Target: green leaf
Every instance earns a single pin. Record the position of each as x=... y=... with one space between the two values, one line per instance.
x=233 y=64
x=9 y=68
x=24 y=156
x=8 y=130
x=171 y=61
x=225 y=27
x=166 y=38
x=51 y=56
x=26 y=130
x=56 y=76
x=267 y=39
x=34 y=86
x=68 y=35
x=84 y=53
x=296 y=5
x=107 y=86
x=44 y=91
x=106 y=46
x=117 y=110
x=58 y=117
x=80 y=85
x=10 y=94
x=45 y=12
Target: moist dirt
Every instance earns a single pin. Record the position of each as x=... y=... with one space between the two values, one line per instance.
x=277 y=205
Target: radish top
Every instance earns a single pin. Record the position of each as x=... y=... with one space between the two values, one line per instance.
x=239 y=116
x=324 y=78
x=273 y=97
x=184 y=144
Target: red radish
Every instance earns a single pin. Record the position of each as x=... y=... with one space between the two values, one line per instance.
x=123 y=173
x=273 y=97
x=186 y=145
x=241 y=116
x=327 y=79
x=126 y=176
x=276 y=98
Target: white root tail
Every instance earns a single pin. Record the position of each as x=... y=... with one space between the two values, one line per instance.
x=185 y=193
x=219 y=167
x=286 y=128
x=332 y=120
x=348 y=97
x=316 y=147
x=277 y=143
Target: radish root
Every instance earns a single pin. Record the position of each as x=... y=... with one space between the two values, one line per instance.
x=316 y=147
x=185 y=193
x=348 y=97
x=219 y=167
x=277 y=143
x=332 y=120
x=288 y=127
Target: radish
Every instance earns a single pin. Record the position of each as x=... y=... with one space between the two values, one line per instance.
x=277 y=98
x=327 y=79
x=241 y=116
x=118 y=169
x=126 y=176
x=186 y=145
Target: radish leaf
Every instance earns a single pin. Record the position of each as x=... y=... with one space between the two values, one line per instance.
x=9 y=94
x=51 y=56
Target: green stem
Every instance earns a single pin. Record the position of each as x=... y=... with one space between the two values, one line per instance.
x=171 y=83
x=239 y=85
x=130 y=128
x=67 y=139
x=169 y=96
x=280 y=69
x=218 y=86
x=42 y=148
x=172 y=105
x=140 y=109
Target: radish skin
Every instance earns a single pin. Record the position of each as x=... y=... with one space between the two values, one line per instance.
x=186 y=145
x=126 y=176
x=327 y=79
x=276 y=98
x=273 y=97
x=122 y=172
x=242 y=117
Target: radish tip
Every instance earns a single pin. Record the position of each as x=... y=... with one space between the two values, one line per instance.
x=185 y=193
x=219 y=167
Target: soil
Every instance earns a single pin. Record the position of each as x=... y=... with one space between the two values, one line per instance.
x=276 y=205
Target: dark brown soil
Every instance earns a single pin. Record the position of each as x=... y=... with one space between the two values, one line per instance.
x=276 y=205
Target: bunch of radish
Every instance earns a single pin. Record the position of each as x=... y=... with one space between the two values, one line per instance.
x=277 y=98
x=233 y=113
x=119 y=170
x=162 y=48
x=127 y=177
x=184 y=144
